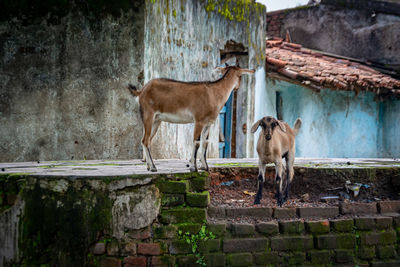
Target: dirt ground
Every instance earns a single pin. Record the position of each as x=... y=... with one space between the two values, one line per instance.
x=237 y=188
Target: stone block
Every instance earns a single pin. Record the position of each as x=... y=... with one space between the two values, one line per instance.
x=165 y=231
x=110 y=262
x=358 y=208
x=384 y=252
x=366 y=253
x=267 y=258
x=179 y=247
x=296 y=258
x=242 y=230
x=173 y=187
x=198 y=199
x=191 y=228
x=140 y=234
x=135 y=261
x=323 y=212
x=245 y=244
x=200 y=184
x=211 y=245
x=285 y=213
x=261 y=213
x=336 y=241
x=369 y=238
x=387 y=237
x=149 y=249
x=99 y=248
x=171 y=200
x=183 y=215
x=218 y=229
x=215 y=259
x=129 y=249
x=216 y=212
x=239 y=259
x=186 y=261
x=292 y=243
x=389 y=206
x=318 y=227
x=364 y=223
x=386 y=263
x=268 y=228
x=113 y=248
x=291 y=227
x=383 y=223
x=162 y=261
x=344 y=256
x=342 y=225
x=320 y=257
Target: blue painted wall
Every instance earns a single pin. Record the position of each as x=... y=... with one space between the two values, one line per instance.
x=335 y=123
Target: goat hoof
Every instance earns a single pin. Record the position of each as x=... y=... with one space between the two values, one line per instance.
x=193 y=169
x=152 y=169
x=256 y=202
x=204 y=169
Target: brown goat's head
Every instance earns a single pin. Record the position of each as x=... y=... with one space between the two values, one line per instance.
x=268 y=125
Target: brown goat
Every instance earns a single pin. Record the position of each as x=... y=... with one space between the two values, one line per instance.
x=275 y=143
x=185 y=102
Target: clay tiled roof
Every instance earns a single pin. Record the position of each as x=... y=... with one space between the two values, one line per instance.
x=317 y=70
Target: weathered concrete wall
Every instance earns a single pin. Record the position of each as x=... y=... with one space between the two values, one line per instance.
x=348 y=28
x=183 y=41
x=62 y=82
x=335 y=123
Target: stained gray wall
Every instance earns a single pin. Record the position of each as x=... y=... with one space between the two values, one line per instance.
x=62 y=84
x=348 y=28
x=183 y=41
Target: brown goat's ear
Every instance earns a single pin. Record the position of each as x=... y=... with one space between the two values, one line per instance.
x=281 y=125
x=255 y=126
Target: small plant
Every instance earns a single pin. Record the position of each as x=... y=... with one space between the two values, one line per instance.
x=194 y=240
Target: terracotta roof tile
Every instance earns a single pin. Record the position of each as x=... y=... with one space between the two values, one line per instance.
x=308 y=66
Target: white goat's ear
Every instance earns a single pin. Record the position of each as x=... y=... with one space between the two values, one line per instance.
x=255 y=126
x=282 y=126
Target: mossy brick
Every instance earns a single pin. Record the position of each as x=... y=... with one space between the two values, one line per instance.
x=245 y=245
x=295 y=258
x=198 y=199
x=336 y=241
x=268 y=228
x=358 y=208
x=364 y=223
x=385 y=263
x=267 y=258
x=258 y=212
x=318 y=227
x=285 y=213
x=218 y=229
x=319 y=212
x=199 y=184
x=319 y=256
x=179 y=247
x=292 y=243
x=242 y=230
x=183 y=215
x=366 y=253
x=164 y=260
x=291 y=227
x=389 y=206
x=191 y=228
x=164 y=232
x=384 y=252
x=186 y=260
x=173 y=187
x=211 y=245
x=369 y=238
x=109 y=262
x=171 y=200
x=387 y=238
x=342 y=225
x=239 y=259
x=215 y=259
x=383 y=223
x=344 y=256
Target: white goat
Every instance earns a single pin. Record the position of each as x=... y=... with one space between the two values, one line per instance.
x=185 y=102
x=275 y=143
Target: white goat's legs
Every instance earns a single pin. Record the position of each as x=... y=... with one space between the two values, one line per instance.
x=203 y=145
x=260 y=183
x=198 y=128
x=290 y=173
x=279 y=181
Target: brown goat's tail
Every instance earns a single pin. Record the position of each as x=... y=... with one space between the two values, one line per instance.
x=297 y=126
x=134 y=91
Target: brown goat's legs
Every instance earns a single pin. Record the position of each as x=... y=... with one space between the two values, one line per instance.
x=260 y=183
x=148 y=123
x=198 y=128
x=154 y=128
x=203 y=145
